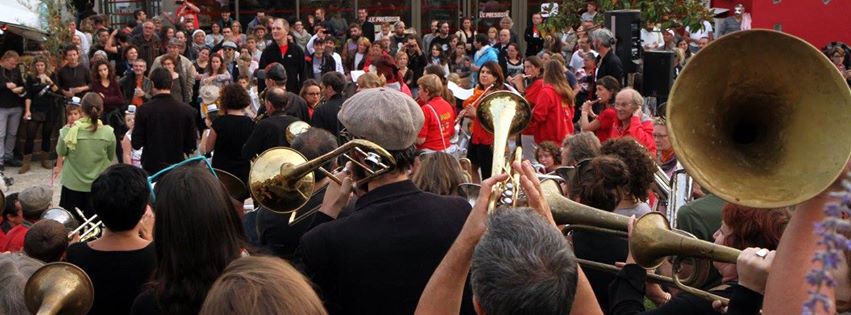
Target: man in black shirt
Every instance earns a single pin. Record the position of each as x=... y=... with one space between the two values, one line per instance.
x=74 y=79
x=378 y=259
x=271 y=131
x=277 y=232
x=367 y=27
x=12 y=91
x=289 y=56
x=608 y=63
x=276 y=76
x=325 y=116
x=164 y=126
x=442 y=38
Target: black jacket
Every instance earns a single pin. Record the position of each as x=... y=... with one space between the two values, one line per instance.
x=610 y=64
x=325 y=116
x=268 y=133
x=378 y=259
x=166 y=129
x=626 y=297
x=293 y=61
x=534 y=45
x=7 y=97
x=368 y=30
x=502 y=56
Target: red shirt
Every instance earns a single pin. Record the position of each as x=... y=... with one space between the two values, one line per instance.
x=638 y=130
x=439 y=116
x=552 y=117
x=531 y=96
x=284 y=49
x=478 y=133
x=14 y=241
x=607 y=119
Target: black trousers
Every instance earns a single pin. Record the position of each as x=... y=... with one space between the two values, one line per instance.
x=481 y=155
x=70 y=199
x=46 y=127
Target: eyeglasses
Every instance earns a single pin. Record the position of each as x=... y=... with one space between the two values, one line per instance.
x=154 y=178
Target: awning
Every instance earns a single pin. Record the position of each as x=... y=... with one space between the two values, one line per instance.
x=22 y=20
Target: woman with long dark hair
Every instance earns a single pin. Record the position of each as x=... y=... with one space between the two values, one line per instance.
x=114 y=103
x=196 y=238
x=480 y=150
x=39 y=111
x=88 y=147
x=552 y=116
x=438 y=57
x=607 y=87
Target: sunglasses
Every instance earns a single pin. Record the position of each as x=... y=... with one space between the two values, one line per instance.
x=154 y=178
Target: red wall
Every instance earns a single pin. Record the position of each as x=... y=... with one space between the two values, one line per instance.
x=812 y=20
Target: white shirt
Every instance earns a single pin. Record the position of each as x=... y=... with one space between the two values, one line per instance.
x=698 y=34
x=85 y=44
x=652 y=40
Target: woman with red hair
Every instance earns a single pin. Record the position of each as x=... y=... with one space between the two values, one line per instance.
x=741 y=228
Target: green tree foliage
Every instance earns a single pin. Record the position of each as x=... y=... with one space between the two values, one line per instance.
x=668 y=13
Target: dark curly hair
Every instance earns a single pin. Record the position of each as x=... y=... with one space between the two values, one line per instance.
x=234 y=96
x=600 y=182
x=552 y=148
x=638 y=160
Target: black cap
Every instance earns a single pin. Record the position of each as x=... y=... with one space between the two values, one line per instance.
x=274 y=71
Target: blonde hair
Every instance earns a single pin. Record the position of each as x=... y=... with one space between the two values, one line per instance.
x=262 y=285
x=370 y=80
x=432 y=84
x=439 y=173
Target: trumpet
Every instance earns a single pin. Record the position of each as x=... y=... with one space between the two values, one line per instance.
x=504 y=113
x=93 y=229
x=89 y=229
x=281 y=179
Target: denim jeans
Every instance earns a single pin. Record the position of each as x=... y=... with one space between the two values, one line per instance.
x=10 y=120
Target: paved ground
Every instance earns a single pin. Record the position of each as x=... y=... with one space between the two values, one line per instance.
x=36 y=176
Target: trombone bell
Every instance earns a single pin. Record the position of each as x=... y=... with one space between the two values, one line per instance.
x=59 y=288
x=769 y=128
x=270 y=186
x=652 y=240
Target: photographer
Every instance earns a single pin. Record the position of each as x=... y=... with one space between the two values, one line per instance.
x=416 y=60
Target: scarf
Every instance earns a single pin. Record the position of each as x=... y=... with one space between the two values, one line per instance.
x=71 y=138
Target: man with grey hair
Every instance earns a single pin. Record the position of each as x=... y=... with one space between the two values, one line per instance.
x=34 y=201
x=15 y=270
x=518 y=259
x=608 y=63
x=399 y=38
x=181 y=64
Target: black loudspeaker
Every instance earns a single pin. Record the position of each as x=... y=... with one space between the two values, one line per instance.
x=626 y=26
x=658 y=74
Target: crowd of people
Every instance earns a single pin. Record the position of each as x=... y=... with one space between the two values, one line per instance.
x=136 y=106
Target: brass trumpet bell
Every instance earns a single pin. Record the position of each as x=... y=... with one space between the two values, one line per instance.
x=652 y=240
x=766 y=128
x=295 y=129
x=61 y=215
x=281 y=179
x=235 y=187
x=504 y=104
x=270 y=185
x=59 y=288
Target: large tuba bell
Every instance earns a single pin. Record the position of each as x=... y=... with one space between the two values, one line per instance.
x=767 y=128
x=281 y=179
x=59 y=288
x=503 y=113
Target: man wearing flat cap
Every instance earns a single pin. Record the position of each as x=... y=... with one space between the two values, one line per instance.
x=379 y=257
x=34 y=201
x=181 y=64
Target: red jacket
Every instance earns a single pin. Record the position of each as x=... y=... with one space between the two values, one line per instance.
x=14 y=241
x=638 y=130
x=478 y=134
x=552 y=117
x=532 y=92
x=607 y=120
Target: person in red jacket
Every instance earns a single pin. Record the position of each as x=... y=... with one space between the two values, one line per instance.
x=439 y=125
x=34 y=201
x=632 y=121
x=601 y=110
x=530 y=85
x=552 y=117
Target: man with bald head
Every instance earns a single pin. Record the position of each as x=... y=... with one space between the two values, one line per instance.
x=290 y=56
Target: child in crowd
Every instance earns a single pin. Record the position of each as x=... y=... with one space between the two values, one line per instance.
x=131 y=156
x=72 y=113
x=212 y=114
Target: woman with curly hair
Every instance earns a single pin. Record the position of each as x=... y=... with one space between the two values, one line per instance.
x=230 y=131
x=641 y=169
x=549 y=155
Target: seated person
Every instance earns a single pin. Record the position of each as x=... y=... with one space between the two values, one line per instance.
x=34 y=201
x=262 y=285
x=12 y=215
x=121 y=261
x=46 y=241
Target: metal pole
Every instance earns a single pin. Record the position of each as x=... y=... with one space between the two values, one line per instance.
x=236 y=8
